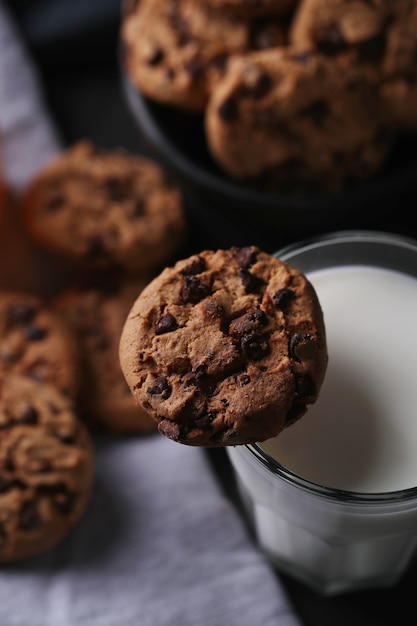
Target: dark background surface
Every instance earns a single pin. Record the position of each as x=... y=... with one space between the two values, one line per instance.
x=75 y=43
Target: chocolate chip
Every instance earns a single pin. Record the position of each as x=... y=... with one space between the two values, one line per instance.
x=305 y=387
x=228 y=110
x=266 y=35
x=203 y=418
x=318 y=112
x=196 y=266
x=212 y=310
x=66 y=438
x=248 y=323
x=262 y=86
x=53 y=204
x=243 y=379
x=139 y=208
x=21 y=313
x=219 y=62
x=199 y=378
x=166 y=324
x=295 y=340
x=161 y=387
x=5 y=484
x=63 y=502
x=30 y=518
x=255 y=346
x=170 y=429
x=194 y=290
x=282 y=297
x=156 y=57
x=28 y=416
x=35 y=333
x=195 y=68
x=296 y=411
x=117 y=189
x=372 y=50
x=245 y=257
x=330 y=40
x=62 y=499
x=96 y=246
x=53 y=408
x=251 y=282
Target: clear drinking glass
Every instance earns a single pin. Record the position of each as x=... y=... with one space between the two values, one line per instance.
x=333 y=499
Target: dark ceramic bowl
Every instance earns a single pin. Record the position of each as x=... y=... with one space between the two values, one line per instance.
x=234 y=213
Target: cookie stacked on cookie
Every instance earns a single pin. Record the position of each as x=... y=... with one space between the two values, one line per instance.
x=316 y=108
x=46 y=456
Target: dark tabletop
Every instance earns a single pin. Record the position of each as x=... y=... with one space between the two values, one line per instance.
x=76 y=55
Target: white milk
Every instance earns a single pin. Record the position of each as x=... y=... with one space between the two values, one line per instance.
x=361 y=435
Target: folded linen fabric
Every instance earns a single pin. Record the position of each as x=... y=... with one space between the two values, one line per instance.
x=28 y=137
x=160 y=544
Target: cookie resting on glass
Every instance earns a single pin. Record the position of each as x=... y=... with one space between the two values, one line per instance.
x=226 y=347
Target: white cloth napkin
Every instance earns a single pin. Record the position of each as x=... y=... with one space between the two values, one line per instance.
x=28 y=137
x=159 y=544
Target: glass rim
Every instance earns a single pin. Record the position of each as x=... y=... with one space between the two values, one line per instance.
x=286 y=253
x=330 y=493
x=346 y=236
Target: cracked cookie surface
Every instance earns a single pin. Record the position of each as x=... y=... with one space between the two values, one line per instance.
x=46 y=467
x=226 y=347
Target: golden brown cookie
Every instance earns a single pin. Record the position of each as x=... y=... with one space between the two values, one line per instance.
x=226 y=347
x=174 y=51
x=97 y=314
x=36 y=343
x=294 y=120
x=102 y=209
x=46 y=467
x=377 y=37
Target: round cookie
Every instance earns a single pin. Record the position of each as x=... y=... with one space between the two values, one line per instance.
x=97 y=316
x=226 y=347
x=46 y=467
x=294 y=118
x=100 y=209
x=36 y=343
x=175 y=50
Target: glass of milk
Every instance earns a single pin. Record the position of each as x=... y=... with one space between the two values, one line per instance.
x=333 y=499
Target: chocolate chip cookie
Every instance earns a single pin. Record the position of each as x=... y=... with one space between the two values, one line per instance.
x=101 y=209
x=378 y=37
x=36 y=343
x=292 y=117
x=226 y=347
x=46 y=467
x=175 y=50
x=97 y=314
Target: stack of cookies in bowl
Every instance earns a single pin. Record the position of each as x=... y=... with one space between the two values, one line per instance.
x=295 y=95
